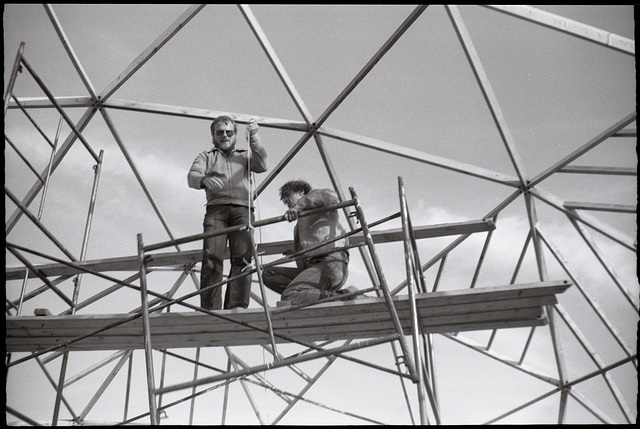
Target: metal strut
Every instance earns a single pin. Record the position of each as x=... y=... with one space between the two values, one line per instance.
x=254 y=250
x=385 y=288
x=413 y=268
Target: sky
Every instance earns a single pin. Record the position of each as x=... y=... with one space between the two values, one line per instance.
x=556 y=93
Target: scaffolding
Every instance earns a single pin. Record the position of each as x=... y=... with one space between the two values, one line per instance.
x=406 y=317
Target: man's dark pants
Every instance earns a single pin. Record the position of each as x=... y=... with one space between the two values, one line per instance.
x=321 y=277
x=238 y=291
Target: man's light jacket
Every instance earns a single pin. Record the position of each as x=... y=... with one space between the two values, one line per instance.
x=231 y=170
x=318 y=228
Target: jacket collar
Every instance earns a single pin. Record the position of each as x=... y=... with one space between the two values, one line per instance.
x=233 y=152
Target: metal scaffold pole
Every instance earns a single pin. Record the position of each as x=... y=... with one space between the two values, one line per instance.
x=385 y=288
x=77 y=280
x=12 y=78
x=412 y=262
x=254 y=250
x=417 y=355
x=153 y=413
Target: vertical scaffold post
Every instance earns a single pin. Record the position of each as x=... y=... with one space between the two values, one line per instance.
x=428 y=356
x=412 y=303
x=263 y=293
x=127 y=395
x=414 y=267
x=408 y=361
x=76 y=287
x=12 y=78
x=49 y=168
x=192 y=408
x=553 y=326
x=254 y=250
x=153 y=413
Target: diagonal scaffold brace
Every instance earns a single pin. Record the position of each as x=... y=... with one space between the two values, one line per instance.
x=412 y=264
x=408 y=361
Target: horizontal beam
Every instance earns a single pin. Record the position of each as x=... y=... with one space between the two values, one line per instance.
x=178 y=259
x=632 y=132
x=586 y=219
x=494 y=320
x=416 y=155
x=446 y=311
x=155 y=108
x=45 y=103
x=569 y=26
x=603 y=207
x=584 y=149
x=614 y=171
x=191 y=112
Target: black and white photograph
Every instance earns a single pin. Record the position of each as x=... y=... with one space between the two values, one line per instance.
x=320 y=214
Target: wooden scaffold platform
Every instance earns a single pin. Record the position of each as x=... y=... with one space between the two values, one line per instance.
x=439 y=312
x=371 y=320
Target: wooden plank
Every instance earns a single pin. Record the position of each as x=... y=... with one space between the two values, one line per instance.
x=431 y=231
x=306 y=334
x=130 y=263
x=44 y=102
x=447 y=311
x=580 y=169
x=586 y=219
x=168 y=323
x=620 y=208
x=569 y=26
x=196 y=113
x=632 y=132
x=584 y=149
x=355 y=330
x=161 y=109
x=206 y=340
x=418 y=156
x=448 y=300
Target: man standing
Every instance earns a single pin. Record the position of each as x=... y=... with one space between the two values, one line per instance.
x=320 y=273
x=224 y=173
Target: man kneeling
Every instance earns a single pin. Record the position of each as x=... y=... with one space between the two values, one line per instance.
x=322 y=272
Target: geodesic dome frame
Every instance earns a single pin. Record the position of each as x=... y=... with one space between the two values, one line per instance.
x=522 y=185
